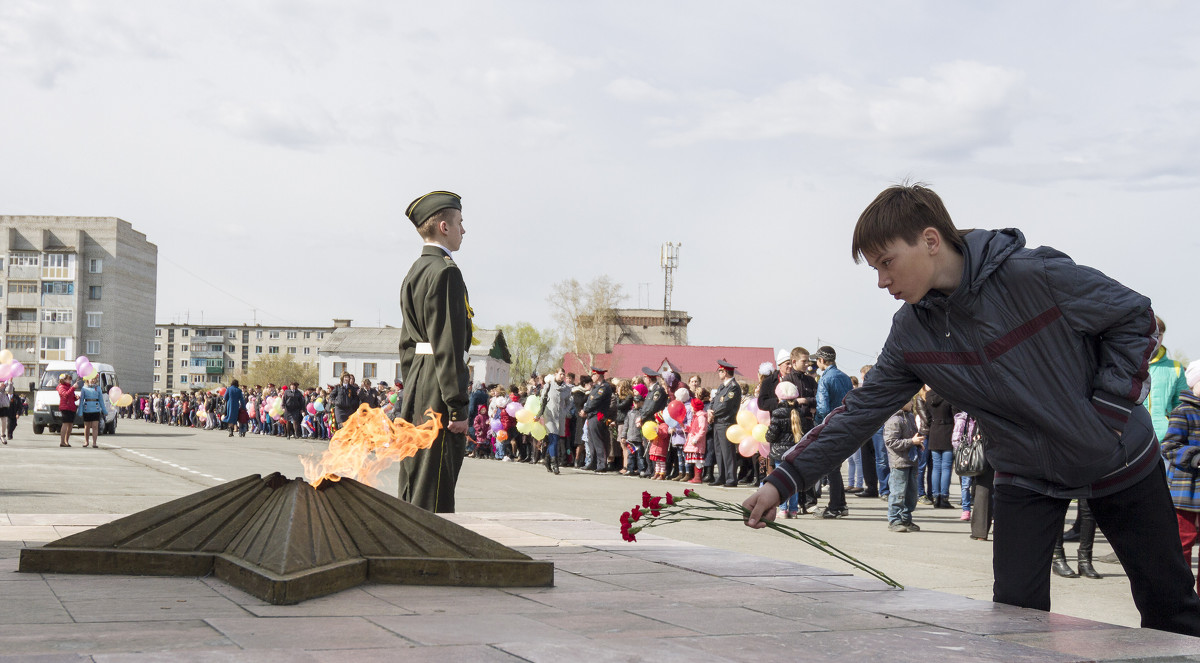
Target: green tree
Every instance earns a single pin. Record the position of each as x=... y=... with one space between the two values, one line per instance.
x=279 y=369
x=586 y=314
x=531 y=349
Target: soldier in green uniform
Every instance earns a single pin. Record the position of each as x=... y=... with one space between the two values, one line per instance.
x=434 y=342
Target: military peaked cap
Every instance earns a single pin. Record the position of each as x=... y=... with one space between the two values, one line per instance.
x=721 y=363
x=431 y=203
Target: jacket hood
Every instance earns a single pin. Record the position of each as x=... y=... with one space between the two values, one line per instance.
x=983 y=254
x=1190 y=398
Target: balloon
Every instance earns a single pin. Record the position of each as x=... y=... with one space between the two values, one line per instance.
x=252 y=411
x=539 y=430
x=320 y=400
x=764 y=418
x=5 y=372
x=320 y=406
x=80 y=360
x=6 y=356
x=533 y=403
x=512 y=408
x=496 y=425
x=752 y=405
x=502 y=436
x=764 y=449
x=748 y=448
x=736 y=434
x=312 y=409
x=125 y=401
x=524 y=416
x=392 y=399
x=221 y=392
x=18 y=369
x=115 y=394
x=524 y=427
x=92 y=373
x=759 y=433
x=202 y=415
x=746 y=419
x=677 y=410
x=669 y=420
x=650 y=430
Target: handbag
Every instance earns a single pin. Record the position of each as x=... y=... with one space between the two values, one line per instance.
x=968 y=458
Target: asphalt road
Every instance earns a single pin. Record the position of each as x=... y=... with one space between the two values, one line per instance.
x=147 y=464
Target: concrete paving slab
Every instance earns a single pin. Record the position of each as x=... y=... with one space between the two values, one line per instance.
x=145 y=609
x=450 y=629
x=1108 y=644
x=114 y=637
x=463 y=601
x=27 y=533
x=457 y=654
x=55 y=519
x=613 y=624
x=33 y=611
x=349 y=603
x=306 y=633
x=73 y=587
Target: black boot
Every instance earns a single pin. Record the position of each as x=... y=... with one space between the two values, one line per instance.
x=1059 y=563
x=707 y=475
x=546 y=462
x=1087 y=537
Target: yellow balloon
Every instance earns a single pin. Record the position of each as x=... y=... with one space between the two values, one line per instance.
x=650 y=430
x=6 y=356
x=736 y=434
x=524 y=416
x=523 y=427
x=746 y=419
x=759 y=432
x=539 y=431
x=125 y=400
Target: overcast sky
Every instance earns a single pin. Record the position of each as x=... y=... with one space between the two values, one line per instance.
x=269 y=149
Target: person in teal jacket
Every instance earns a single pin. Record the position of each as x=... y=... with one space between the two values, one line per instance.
x=91 y=406
x=1167 y=382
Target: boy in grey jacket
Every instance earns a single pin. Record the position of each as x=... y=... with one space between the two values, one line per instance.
x=1051 y=358
x=903 y=443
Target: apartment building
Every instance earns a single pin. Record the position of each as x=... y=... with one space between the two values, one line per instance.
x=73 y=286
x=204 y=356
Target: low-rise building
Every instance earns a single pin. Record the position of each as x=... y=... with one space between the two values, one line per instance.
x=374 y=353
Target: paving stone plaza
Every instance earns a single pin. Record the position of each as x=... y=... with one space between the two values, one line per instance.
x=666 y=598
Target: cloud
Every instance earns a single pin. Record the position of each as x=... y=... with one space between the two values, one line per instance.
x=637 y=91
x=957 y=107
x=292 y=126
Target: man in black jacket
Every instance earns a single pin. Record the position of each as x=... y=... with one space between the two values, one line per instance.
x=726 y=401
x=656 y=401
x=293 y=409
x=596 y=412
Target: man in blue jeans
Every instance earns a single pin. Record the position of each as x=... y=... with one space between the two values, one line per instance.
x=831 y=389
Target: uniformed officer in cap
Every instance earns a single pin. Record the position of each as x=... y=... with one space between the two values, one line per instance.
x=433 y=351
x=655 y=402
x=725 y=403
x=596 y=413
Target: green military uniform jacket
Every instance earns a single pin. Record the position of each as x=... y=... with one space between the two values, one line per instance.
x=434 y=342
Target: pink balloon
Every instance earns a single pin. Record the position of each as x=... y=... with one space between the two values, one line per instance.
x=18 y=369
x=753 y=405
x=764 y=449
x=5 y=372
x=512 y=408
x=748 y=447
x=312 y=409
x=81 y=359
x=764 y=418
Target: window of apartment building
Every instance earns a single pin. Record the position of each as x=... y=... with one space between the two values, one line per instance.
x=291 y=336
x=183 y=363
x=158 y=333
x=96 y=265
x=157 y=377
x=95 y=292
x=93 y=347
x=184 y=332
x=397 y=371
x=55 y=347
x=23 y=259
x=320 y=335
x=24 y=342
x=22 y=315
x=258 y=335
x=339 y=367
x=230 y=348
x=58 y=315
x=183 y=348
x=369 y=370
x=157 y=363
x=307 y=351
x=58 y=288
x=291 y=349
x=232 y=334
x=182 y=379
x=93 y=318
x=215 y=347
x=58 y=266
x=258 y=349
x=22 y=287
x=273 y=349
x=1 y=287
x=307 y=334
x=229 y=363
x=274 y=334
x=158 y=347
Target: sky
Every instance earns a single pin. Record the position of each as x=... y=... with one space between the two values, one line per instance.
x=269 y=149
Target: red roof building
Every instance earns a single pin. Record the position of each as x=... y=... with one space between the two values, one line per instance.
x=626 y=361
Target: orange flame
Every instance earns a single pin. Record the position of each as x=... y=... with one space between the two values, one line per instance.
x=367 y=443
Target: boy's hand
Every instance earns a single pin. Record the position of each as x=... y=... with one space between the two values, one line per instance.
x=761 y=506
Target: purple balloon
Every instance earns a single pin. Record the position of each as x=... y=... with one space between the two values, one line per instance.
x=496 y=425
x=18 y=369
x=512 y=408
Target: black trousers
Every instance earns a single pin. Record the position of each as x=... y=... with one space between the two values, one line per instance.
x=726 y=455
x=837 y=490
x=869 y=474
x=1140 y=524
x=981 y=503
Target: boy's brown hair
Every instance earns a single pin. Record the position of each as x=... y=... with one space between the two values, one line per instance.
x=903 y=211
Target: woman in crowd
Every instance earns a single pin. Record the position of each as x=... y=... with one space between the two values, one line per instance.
x=92 y=409
x=66 y=407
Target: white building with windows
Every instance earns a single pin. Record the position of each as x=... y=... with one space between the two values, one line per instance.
x=75 y=286
x=374 y=353
x=188 y=356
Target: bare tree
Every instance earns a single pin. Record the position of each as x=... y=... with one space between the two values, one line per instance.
x=586 y=314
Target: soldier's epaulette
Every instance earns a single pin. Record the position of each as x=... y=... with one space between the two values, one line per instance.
x=449 y=261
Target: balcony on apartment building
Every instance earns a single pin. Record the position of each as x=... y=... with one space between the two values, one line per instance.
x=25 y=272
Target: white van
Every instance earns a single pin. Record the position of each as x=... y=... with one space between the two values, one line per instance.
x=45 y=400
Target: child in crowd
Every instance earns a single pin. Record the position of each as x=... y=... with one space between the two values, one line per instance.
x=982 y=313
x=904 y=444
x=1181 y=449
x=679 y=435
x=631 y=435
x=697 y=432
x=659 y=449
x=783 y=432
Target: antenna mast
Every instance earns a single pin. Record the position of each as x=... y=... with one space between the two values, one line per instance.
x=669 y=261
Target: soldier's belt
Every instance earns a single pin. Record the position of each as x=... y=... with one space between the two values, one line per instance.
x=424 y=348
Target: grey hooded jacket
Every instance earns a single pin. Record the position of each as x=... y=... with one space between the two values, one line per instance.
x=1050 y=357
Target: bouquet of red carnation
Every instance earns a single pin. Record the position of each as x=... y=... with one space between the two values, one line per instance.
x=691 y=506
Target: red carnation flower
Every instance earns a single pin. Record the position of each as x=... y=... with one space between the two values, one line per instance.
x=635 y=514
x=670 y=500
x=688 y=492
x=645 y=498
x=655 y=506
